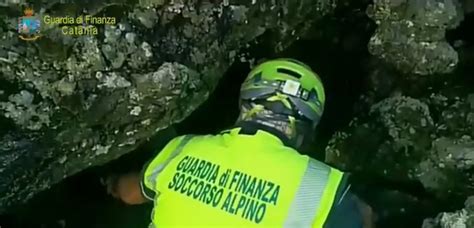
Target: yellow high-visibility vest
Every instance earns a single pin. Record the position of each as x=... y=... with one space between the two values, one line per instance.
x=238 y=180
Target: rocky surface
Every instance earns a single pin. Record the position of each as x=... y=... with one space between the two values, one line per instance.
x=71 y=102
x=414 y=135
x=427 y=140
x=463 y=218
x=411 y=34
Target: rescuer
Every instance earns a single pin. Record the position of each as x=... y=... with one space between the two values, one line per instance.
x=251 y=175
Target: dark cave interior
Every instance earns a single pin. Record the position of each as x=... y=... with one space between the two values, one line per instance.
x=339 y=55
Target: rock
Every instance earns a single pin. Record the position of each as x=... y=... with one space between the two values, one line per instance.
x=147 y=17
x=22 y=111
x=449 y=159
x=463 y=218
x=112 y=80
x=399 y=135
x=11 y=2
x=152 y=2
x=82 y=101
x=428 y=140
x=411 y=34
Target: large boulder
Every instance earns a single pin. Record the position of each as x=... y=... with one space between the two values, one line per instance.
x=427 y=140
x=71 y=102
x=411 y=34
x=463 y=218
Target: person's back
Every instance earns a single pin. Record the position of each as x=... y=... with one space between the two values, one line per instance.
x=238 y=179
x=252 y=175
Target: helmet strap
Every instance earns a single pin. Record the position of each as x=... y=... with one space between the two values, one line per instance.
x=296 y=131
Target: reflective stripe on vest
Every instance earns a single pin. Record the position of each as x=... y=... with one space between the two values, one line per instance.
x=314 y=197
x=153 y=177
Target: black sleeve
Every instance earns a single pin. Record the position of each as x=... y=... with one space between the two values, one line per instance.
x=345 y=213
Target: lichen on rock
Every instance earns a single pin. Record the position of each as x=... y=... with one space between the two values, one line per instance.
x=407 y=139
x=411 y=34
x=24 y=112
x=463 y=218
x=450 y=160
x=112 y=80
x=399 y=135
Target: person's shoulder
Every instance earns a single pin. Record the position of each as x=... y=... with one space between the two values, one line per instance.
x=206 y=137
x=346 y=212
